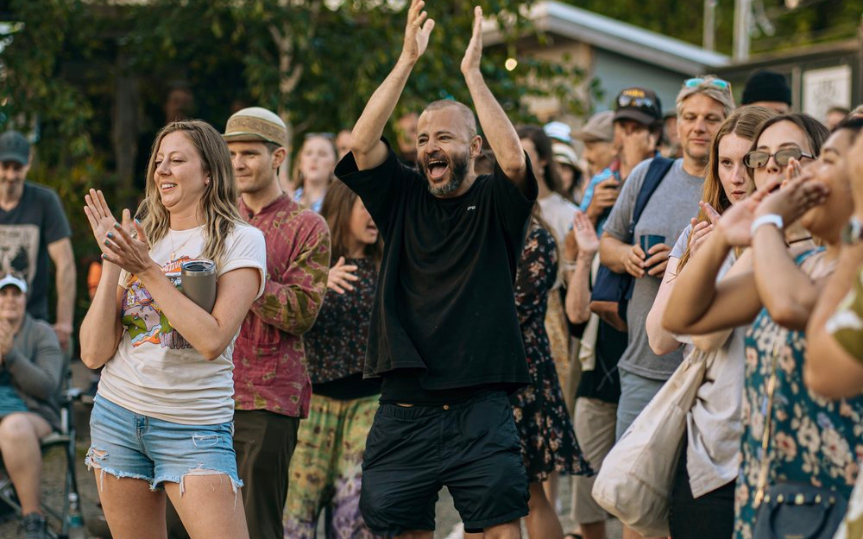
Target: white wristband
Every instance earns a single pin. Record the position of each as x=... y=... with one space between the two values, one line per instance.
x=769 y=219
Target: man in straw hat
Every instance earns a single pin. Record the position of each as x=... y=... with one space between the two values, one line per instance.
x=271 y=385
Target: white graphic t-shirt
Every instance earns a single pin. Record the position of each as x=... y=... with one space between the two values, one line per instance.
x=155 y=372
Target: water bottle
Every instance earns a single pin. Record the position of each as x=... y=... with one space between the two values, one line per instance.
x=74 y=520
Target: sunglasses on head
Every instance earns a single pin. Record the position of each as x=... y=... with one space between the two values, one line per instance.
x=716 y=83
x=329 y=136
x=758 y=158
x=630 y=101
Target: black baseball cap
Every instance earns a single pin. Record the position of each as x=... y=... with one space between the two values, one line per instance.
x=14 y=147
x=638 y=104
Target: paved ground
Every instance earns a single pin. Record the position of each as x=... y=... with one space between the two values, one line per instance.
x=447 y=518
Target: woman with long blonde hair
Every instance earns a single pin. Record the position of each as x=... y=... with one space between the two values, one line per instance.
x=703 y=491
x=162 y=421
x=727 y=181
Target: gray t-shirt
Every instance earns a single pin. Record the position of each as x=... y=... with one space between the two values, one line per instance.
x=667 y=213
x=682 y=241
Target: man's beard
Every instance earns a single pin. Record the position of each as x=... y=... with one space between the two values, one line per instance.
x=458 y=166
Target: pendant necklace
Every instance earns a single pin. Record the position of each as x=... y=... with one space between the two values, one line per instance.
x=175 y=249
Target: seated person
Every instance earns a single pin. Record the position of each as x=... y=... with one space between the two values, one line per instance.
x=31 y=368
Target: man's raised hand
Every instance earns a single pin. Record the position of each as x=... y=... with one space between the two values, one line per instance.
x=417 y=32
x=473 y=54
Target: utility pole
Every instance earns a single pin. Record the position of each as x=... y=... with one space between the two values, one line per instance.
x=742 y=16
x=710 y=24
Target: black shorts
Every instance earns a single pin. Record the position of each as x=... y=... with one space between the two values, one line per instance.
x=472 y=448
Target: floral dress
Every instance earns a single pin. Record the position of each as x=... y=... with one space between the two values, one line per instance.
x=548 y=441
x=336 y=344
x=814 y=440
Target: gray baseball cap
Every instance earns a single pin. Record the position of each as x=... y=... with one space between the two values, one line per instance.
x=599 y=128
x=14 y=147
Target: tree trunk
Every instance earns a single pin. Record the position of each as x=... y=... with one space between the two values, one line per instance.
x=124 y=129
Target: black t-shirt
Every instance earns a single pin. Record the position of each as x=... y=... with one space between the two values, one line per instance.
x=25 y=233
x=403 y=386
x=445 y=300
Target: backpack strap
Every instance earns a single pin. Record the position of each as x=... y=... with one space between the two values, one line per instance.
x=657 y=170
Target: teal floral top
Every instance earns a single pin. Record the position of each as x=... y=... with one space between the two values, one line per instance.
x=815 y=440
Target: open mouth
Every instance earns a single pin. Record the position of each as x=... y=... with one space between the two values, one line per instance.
x=165 y=187
x=437 y=168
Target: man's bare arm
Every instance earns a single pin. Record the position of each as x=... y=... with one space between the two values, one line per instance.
x=369 y=152
x=501 y=134
x=64 y=261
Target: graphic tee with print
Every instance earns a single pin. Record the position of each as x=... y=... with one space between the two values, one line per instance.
x=26 y=231
x=155 y=371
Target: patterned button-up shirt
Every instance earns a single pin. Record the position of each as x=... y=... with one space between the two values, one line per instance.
x=269 y=359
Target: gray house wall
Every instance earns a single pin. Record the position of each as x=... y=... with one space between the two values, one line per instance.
x=616 y=72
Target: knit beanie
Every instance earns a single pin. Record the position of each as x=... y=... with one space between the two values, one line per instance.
x=766 y=86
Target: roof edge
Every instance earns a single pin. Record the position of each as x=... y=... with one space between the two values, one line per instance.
x=610 y=34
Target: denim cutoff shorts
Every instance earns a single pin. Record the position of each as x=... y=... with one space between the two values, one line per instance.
x=126 y=444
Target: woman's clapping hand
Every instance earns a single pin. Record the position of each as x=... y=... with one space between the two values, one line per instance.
x=118 y=246
x=101 y=219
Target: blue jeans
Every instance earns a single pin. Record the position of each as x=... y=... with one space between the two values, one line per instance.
x=126 y=444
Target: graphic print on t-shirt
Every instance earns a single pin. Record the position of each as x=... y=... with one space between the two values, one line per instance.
x=143 y=318
x=19 y=247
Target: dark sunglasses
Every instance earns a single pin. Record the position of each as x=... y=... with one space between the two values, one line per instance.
x=640 y=102
x=758 y=159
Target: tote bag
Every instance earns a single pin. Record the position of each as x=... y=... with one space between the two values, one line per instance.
x=635 y=480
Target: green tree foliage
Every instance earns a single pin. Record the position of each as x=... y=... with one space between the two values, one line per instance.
x=31 y=73
x=811 y=22
x=37 y=99
x=316 y=62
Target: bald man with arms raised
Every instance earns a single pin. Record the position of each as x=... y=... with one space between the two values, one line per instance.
x=444 y=336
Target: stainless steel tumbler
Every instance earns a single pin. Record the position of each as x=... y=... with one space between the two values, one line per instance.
x=198 y=282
